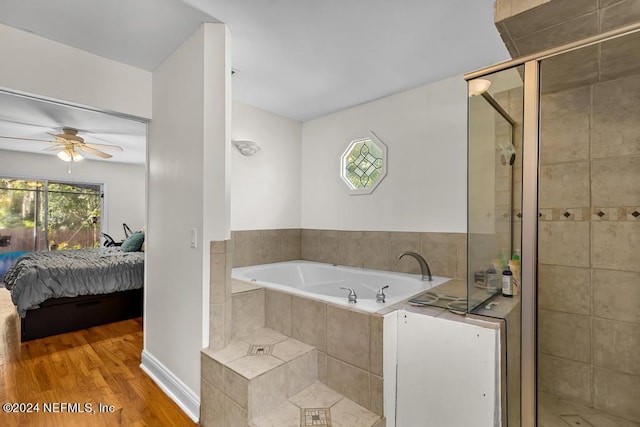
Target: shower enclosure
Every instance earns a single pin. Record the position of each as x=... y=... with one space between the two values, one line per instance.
x=570 y=200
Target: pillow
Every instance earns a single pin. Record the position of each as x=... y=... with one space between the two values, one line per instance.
x=133 y=243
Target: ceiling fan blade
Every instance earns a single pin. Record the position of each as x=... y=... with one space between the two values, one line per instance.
x=86 y=149
x=103 y=146
x=54 y=147
x=26 y=139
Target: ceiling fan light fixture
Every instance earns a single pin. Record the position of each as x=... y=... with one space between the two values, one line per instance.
x=69 y=154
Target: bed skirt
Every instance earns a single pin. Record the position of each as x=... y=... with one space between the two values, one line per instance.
x=60 y=315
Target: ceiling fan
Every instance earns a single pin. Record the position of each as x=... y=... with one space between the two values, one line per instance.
x=70 y=146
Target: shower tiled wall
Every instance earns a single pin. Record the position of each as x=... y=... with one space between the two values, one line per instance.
x=589 y=246
x=446 y=253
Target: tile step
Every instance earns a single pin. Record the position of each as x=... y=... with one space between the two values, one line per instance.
x=260 y=370
x=318 y=405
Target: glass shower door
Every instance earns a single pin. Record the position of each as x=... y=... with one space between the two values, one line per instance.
x=588 y=328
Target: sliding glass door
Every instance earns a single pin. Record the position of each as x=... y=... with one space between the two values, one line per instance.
x=42 y=214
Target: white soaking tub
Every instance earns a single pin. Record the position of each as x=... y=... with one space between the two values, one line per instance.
x=323 y=282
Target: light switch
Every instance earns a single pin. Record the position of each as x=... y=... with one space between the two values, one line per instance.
x=194 y=237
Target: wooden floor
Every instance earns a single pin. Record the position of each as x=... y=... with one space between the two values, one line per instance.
x=97 y=366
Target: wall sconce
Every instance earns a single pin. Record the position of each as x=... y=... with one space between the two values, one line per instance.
x=478 y=86
x=246 y=148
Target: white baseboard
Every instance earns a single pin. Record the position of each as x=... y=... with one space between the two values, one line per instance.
x=184 y=397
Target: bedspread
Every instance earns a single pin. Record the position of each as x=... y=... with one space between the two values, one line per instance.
x=38 y=276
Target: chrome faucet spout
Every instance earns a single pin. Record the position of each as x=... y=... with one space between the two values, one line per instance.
x=424 y=267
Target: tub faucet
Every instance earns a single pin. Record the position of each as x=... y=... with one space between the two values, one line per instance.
x=353 y=298
x=424 y=267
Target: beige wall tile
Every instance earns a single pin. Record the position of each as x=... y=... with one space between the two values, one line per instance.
x=400 y=242
x=322 y=367
x=350 y=248
x=615 y=133
x=616 y=295
x=348 y=336
x=571 y=102
x=290 y=245
x=619 y=14
x=574 y=69
x=565 y=289
x=248 y=311
x=565 y=378
x=377 y=395
x=349 y=381
x=270 y=246
x=461 y=263
x=564 y=185
x=267 y=391
x=212 y=405
x=564 y=335
x=440 y=250
x=219 y=246
x=375 y=250
x=309 y=322
x=568 y=31
x=614 y=181
x=247 y=248
x=611 y=96
x=220 y=324
x=220 y=292
x=376 y=344
x=616 y=346
x=278 y=311
x=564 y=138
x=211 y=371
x=328 y=247
x=234 y=415
x=531 y=18
x=236 y=387
x=564 y=243
x=302 y=372
x=617 y=393
x=616 y=245
x=309 y=247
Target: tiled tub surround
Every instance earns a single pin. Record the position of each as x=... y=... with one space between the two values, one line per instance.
x=446 y=253
x=589 y=247
x=239 y=389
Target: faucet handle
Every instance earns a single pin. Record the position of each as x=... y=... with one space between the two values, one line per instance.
x=380 y=296
x=353 y=298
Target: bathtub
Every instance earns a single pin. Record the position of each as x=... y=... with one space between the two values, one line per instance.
x=323 y=281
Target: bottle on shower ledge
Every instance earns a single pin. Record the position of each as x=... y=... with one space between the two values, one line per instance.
x=507 y=282
x=492 y=279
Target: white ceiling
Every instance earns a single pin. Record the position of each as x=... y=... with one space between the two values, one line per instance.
x=297 y=58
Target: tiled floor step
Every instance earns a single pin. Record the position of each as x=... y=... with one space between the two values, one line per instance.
x=255 y=373
x=318 y=405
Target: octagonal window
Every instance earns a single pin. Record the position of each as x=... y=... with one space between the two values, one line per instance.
x=364 y=165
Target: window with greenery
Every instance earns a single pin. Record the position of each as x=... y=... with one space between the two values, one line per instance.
x=41 y=214
x=363 y=165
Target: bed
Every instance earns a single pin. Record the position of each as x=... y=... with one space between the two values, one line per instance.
x=63 y=291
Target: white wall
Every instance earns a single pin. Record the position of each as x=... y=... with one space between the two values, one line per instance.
x=187 y=188
x=425 y=187
x=265 y=187
x=49 y=69
x=124 y=184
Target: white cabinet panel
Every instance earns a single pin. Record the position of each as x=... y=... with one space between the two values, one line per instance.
x=448 y=373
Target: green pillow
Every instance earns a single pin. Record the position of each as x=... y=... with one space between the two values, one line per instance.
x=133 y=242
